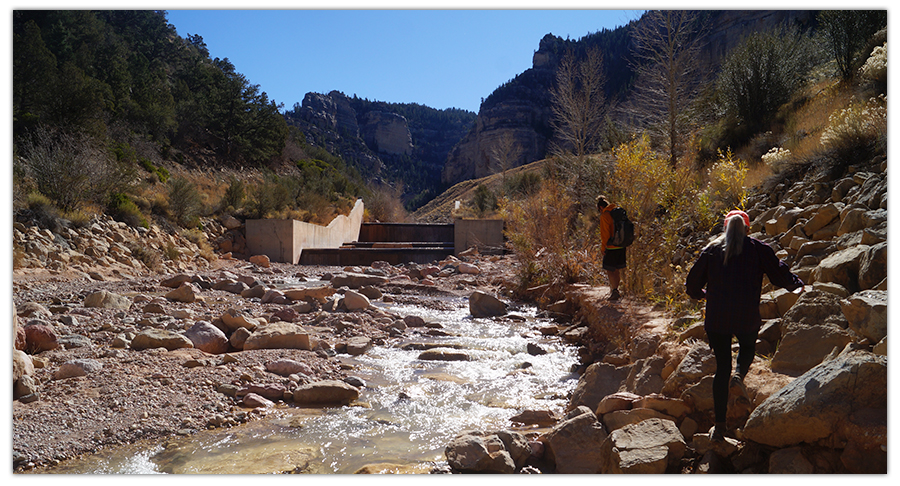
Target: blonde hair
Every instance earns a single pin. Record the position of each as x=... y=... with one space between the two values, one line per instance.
x=732 y=239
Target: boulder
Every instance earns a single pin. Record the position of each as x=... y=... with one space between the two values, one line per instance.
x=483 y=452
x=235 y=318
x=325 y=392
x=278 y=335
x=598 y=381
x=230 y=286
x=482 y=304
x=186 y=292
x=175 y=281
x=648 y=447
x=468 y=269
x=873 y=266
x=823 y=216
x=866 y=312
x=697 y=363
x=573 y=445
x=77 y=367
x=239 y=337
x=257 y=292
x=272 y=391
x=208 y=338
x=620 y=418
x=355 y=301
x=616 y=401
x=814 y=406
x=22 y=365
x=804 y=347
x=39 y=338
x=160 y=338
x=842 y=267
x=107 y=300
x=260 y=261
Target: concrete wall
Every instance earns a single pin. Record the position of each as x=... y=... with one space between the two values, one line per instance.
x=282 y=240
x=484 y=234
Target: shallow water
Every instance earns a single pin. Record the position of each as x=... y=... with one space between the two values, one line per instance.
x=407 y=413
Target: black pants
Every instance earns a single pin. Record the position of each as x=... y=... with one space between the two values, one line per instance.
x=721 y=346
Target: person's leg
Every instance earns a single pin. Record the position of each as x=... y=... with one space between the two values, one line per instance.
x=746 y=353
x=721 y=347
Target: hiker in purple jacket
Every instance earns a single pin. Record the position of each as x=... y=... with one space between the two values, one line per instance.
x=731 y=268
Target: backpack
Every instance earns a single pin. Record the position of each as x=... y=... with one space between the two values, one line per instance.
x=623 y=234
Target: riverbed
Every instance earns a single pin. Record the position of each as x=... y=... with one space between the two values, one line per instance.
x=407 y=412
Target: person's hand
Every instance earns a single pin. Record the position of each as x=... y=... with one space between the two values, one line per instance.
x=799 y=290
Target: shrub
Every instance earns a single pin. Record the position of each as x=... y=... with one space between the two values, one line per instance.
x=484 y=200
x=859 y=128
x=550 y=247
x=727 y=179
x=71 y=168
x=875 y=67
x=123 y=209
x=185 y=203
x=150 y=258
x=234 y=194
x=761 y=74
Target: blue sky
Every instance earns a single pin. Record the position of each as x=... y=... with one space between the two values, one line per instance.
x=439 y=58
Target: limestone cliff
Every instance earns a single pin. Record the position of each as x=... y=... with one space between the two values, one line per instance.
x=521 y=108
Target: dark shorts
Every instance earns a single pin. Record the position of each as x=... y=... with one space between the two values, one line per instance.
x=614 y=259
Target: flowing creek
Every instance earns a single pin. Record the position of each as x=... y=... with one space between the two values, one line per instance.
x=408 y=412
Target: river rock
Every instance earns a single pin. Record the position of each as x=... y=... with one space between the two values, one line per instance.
x=814 y=406
x=310 y=294
x=373 y=293
x=482 y=304
x=252 y=400
x=207 y=337
x=175 y=281
x=355 y=301
x=185 y=292
x=287 y=367
x=160 y=338
x=542 y=418
x=235 y=318
x=256 y=291
x=443 y=354
x=273 y=296
x=358 y=345
x=272 y=391
x=468 y=269
x=239 y=337
x=648 y=447
x=278 y=335
x=357 y=280
x=22 y=365
x=573 y=445
x=230 y=286
x=107 y=300
x=325 y=392
x=39 y=338
x=261 y=261
x=77 y=367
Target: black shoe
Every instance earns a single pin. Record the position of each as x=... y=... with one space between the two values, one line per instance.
x=736 y=386
x=614 y=295
x=717 y=433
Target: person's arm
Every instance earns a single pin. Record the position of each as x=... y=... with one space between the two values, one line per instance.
x=779 y=273
x=697 y=277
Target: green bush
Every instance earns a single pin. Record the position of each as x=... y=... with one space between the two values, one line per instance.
x=123 y=209
x=185 y=203
x=234 y=194
x=761 y=74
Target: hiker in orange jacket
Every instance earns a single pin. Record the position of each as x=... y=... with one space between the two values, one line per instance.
x=613 y=256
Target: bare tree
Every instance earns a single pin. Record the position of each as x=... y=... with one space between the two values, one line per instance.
x=579 y=118
x=667 y=46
